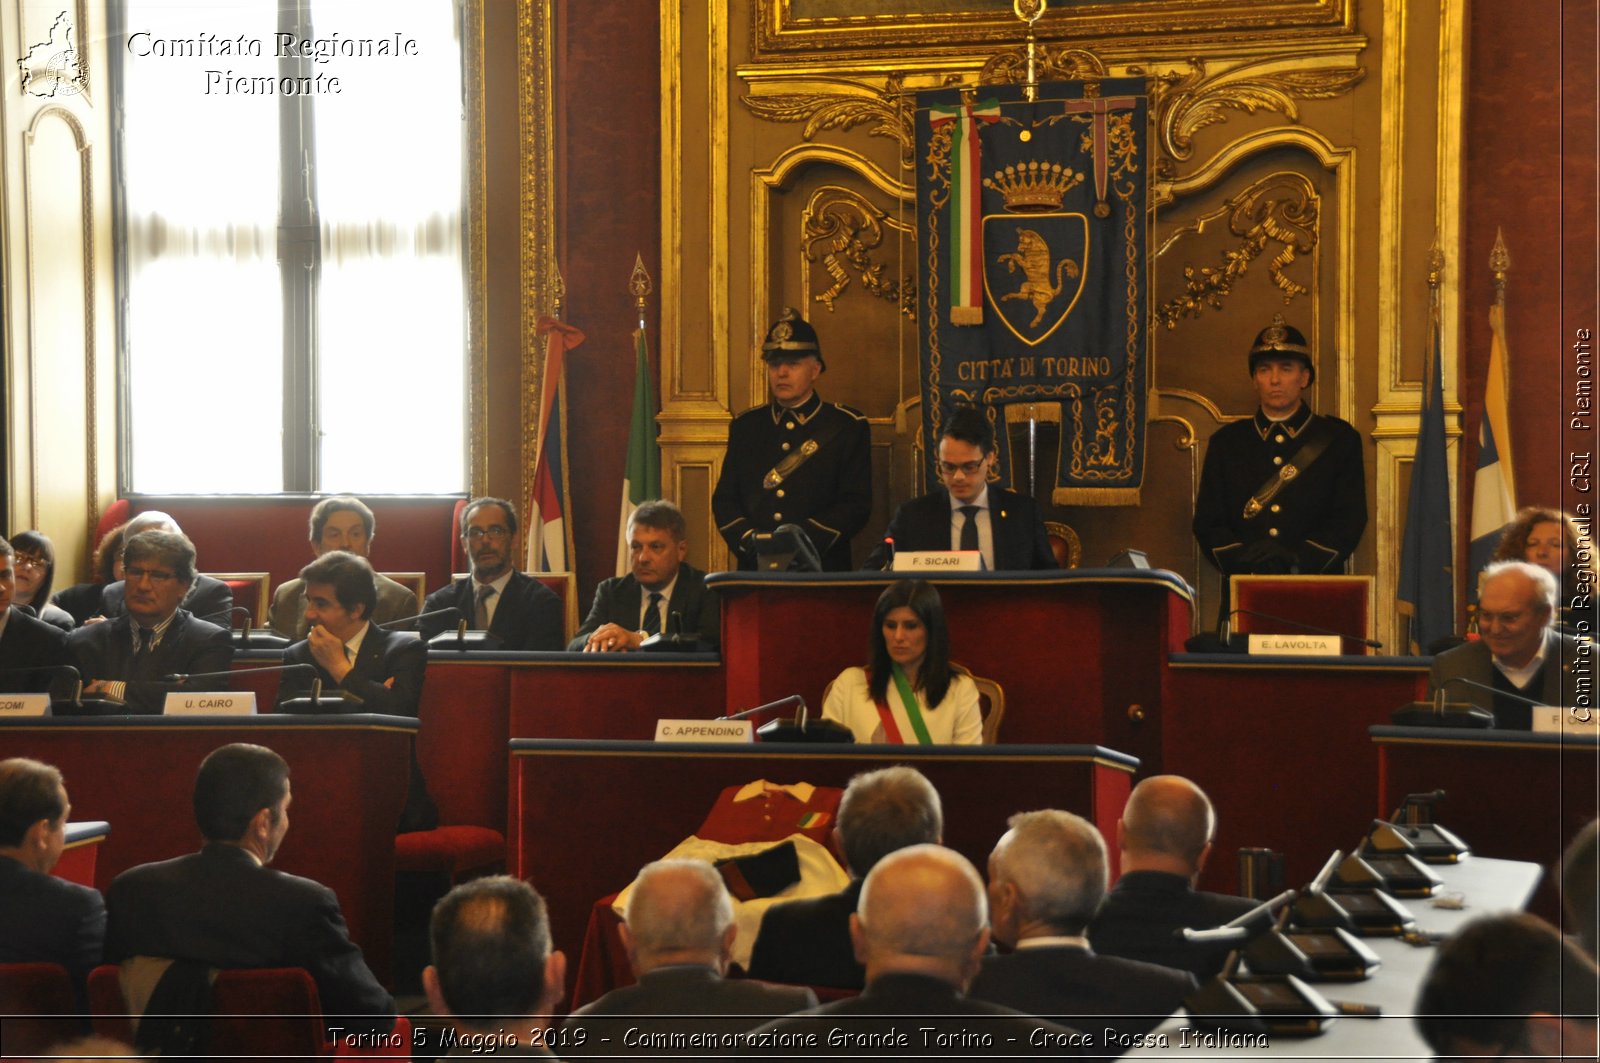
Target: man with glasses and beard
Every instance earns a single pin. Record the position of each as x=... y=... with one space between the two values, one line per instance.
x=517 y=609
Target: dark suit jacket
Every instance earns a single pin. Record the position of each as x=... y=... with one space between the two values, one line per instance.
x=620 y=599
x=209 y=600
x=1075 y=986
x=680 y=999
x=44 y=919
x=910 y=1003
x=1472 y=660
x=807 y=942
x=1144 y=912
x=529 y=616
x=923 y=523
x=81 y=600
x=32 y=643
x=105 y=651
x=217 y=907
x=384 y=655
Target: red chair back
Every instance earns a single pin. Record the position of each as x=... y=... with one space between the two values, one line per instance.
x=38 y=1008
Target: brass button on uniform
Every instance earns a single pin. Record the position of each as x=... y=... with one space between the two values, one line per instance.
x=780 y=492
x=786 y=446
x=1277 y=461
x=1275 y=506
x=789 y=425
x=1278 y=438
x=1272 y=532
x=777 y=516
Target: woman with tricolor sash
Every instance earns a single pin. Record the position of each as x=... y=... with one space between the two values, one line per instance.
x=908 y=694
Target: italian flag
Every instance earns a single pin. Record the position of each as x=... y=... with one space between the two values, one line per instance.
x=966 y=207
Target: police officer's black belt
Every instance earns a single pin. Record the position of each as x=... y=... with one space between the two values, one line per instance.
x=792 y=461
x=1319 y=433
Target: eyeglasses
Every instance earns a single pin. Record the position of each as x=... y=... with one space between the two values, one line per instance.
x=496 y=532
x=155 y=575
x=37 y=564
x=971 y=468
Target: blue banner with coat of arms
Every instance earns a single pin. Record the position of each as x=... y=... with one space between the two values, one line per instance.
x=1033 y=226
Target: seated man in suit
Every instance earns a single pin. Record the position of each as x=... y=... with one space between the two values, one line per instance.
x=968 y=514
x=124 y=659
x=29 y=647
x=1165 y=837
x=921 y=930
x=225 y=907
x=517 y=609
x=679 y=935
x=369 y=668
x=1509 y=986
x=340 y=522
x=808 y=941
x=1047 y=877
x=629 y=609
x=1520 y=653
x=43 y=919
x=494 y=977
x=206 y=599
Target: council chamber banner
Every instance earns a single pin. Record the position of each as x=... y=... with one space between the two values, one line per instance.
x=1033 y=231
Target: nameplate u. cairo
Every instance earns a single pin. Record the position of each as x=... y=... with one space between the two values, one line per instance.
x=729 y=731
x=216 y=704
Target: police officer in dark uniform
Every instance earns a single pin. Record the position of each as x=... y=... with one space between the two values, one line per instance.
x=1284 y=492
x=796 y=459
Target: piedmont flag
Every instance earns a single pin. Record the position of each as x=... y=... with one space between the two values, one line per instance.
x=1494 y=489
x=641 y=478
x=966 y=198
x=549 y=535
x=1426 y=590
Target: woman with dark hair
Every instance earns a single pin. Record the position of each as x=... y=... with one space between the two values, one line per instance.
x=82 y=600
x=1549 y=538
x=909 y=694
x=36 y=570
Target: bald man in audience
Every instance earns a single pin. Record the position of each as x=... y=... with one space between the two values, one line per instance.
x=1047 y=877
x=43 y=919
x=679 y=933
x=1508 y=986
x=494 y=977
x=1165 y=837
x=206 y=599
x=808 y=941
x=921 y=930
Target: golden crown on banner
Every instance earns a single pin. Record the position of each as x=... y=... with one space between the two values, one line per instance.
x=1034 y=186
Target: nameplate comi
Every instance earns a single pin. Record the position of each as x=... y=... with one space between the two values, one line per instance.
x=24 y=704
x=1578 y=720
x=1295 y=645
x=214 y=704
x=730 y=731
x=938 y=561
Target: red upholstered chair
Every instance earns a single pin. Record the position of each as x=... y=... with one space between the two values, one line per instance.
x=250 y=591
x=118 y=512
x=415 y=582
x=461 y=851
x=458 y=553
x=1337 y=603
x=108 y=1008
x=37 y=1008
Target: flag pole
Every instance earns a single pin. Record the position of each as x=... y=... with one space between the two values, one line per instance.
x=641 y=475
x=1500 y=265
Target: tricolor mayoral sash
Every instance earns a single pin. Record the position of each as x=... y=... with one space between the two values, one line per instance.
x=1034 y=224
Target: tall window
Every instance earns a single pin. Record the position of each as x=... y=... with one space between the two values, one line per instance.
x=291 y=202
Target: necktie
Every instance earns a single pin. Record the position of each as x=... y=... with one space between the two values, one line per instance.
x=652 y=614
x=143 y=662
x=969 y=528
x=480 y=612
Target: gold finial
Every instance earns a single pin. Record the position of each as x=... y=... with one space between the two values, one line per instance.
x=1435 y=263
x=1030 y=12
x=639 y=284
x=1499 y=260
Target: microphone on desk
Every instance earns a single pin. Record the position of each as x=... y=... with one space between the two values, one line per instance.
x=794 y=703
x=185 y=677
x=1437 y=712
x=249 y=635
x=1240 y=928
x=888 y=554
x=449 y=610
x=52 y=669
x=1310 y=629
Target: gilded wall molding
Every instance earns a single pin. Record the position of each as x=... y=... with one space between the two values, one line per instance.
x=477 y=249
x=539 y=274
x=841 y=229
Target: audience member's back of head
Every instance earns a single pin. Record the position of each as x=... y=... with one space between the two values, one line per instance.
x=1057 y=862
x=1492 y=976
x=922 y=903
x=1580 y=887
x=30 y=790
x=491 y=941
x=233 y=784
x=886 y=810
x=1170 y=816
x=678 y=907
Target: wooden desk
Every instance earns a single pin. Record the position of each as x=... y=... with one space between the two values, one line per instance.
x=1511 y=794
x=78 y=859
x=1079 y=653
x=348 y=775
x=587 y=815
x=1281 y=746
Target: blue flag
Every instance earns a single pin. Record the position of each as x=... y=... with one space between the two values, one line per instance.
x=1427 y=579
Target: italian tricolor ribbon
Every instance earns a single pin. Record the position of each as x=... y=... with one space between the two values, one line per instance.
x=966 y=213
